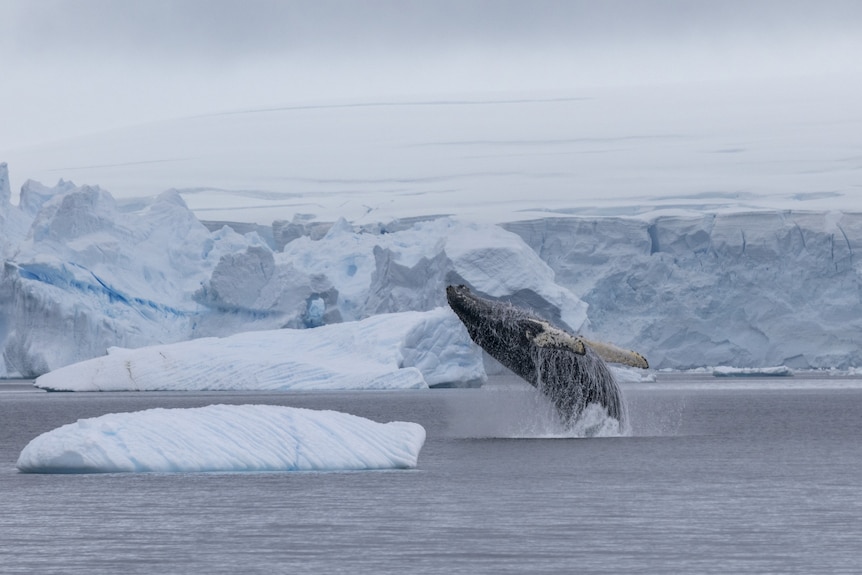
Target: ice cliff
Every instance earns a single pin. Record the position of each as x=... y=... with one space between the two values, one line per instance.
x=89 y=273
x=738 y=289
x=347 y=275
x=84 y=273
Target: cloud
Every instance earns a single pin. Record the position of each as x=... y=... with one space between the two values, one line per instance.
x=78 y=65
x=215 y=30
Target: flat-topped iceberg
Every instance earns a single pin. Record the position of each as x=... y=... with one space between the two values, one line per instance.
x=390 y=351
x=776 y=371
x=224 y=438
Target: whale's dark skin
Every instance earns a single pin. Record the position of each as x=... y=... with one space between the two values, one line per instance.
x=562 y=366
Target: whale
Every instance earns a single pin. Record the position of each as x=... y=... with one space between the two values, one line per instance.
x=570 y=370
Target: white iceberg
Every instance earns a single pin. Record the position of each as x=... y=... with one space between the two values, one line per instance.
x=84 y=272
x=88 y=273
x=391 y=351
x=776 y=371
x=224 y=438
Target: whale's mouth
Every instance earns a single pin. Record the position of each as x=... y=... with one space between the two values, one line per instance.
x=467 y=306
x=459 y=293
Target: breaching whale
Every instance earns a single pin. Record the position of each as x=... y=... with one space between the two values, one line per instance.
x=569 y=370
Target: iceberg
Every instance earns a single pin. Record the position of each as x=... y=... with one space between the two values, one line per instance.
x=91 y=273
x=776 y=371
x=227 y=438
x=409 y=350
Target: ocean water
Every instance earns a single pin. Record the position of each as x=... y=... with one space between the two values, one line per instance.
x=717 y=476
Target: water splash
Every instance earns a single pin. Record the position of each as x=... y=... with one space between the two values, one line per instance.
x=575 y=382
x=521 y=412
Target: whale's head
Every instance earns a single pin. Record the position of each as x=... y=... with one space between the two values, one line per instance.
x=470 y=309
x=506 y=332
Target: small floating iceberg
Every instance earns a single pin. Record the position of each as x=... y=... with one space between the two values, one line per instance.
x=631 y=375
x=777 y=371
x=227 y=438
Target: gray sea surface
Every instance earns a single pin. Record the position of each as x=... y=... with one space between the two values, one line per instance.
x=716 y=476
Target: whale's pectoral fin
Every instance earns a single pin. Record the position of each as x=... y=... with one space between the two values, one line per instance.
x=545 y=335
x=614 y=354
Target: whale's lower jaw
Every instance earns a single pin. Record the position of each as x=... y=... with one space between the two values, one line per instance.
x=557 y=363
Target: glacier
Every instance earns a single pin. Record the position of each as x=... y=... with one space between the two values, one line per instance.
x=225 y=438
x=748 y=289
x=90 y=273
x=84 y=273
x=408 y=350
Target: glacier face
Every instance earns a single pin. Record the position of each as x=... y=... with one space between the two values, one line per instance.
x=88 y=274
x=83 y=273
x=227 y=438
x=347 y=274
x=738 y=289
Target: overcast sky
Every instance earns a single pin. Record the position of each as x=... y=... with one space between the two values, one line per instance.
x=72 y=66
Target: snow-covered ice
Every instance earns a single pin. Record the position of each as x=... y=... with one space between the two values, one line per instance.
x=93 y=273
x=85 y=272
x=740 y=289
x=624 y=374
x=776 y=371
x=88 y=272
x=406 y=350
x=226 y=438
x=753 y=289
x=349 y=274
